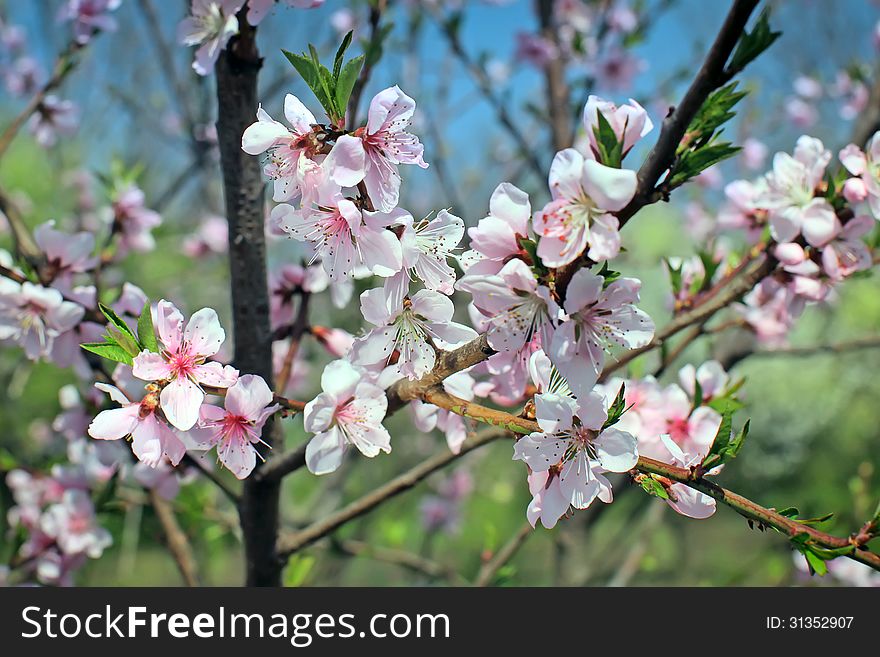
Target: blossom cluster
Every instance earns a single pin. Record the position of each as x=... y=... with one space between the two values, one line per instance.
x=817 y=223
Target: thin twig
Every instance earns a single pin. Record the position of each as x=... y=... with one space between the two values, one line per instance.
x=490 y=569
x=413 y=562
x=290 y=543
x=175 y=539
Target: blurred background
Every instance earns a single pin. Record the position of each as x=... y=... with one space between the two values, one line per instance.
x=140 y=108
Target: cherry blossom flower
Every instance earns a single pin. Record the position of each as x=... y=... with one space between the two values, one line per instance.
x=425 y=247
x=34 y=316
x=515 y=305
x=288 y=281
x=584 y=192
x=71 y=523
x=496 y=237
x=575 y=449
x=598 y=316
x=212 y=236
x=53 y=117
x=535 y=49
x=210 y=27
x=866 y=166
x=848 y=253
x=182 y=362
x=684 y=499
x=754 y=152
x=151 y=439
x=257 y=9
x=24 y=76
x=295 y=159
x=412 y=329
x=336 y=341
x=343 y=236
x=132 y=221
x=66 y=254
x=349 y=411
x=163 y=479
x=790 y=195
x=711 y=376
x=742 y=210
x=89 y=17
x=235 y=430
x=630 y=122
x=387 y=144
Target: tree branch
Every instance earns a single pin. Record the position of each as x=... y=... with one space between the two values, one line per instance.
x=290 y=543
x=490 y=569
x=175 y=539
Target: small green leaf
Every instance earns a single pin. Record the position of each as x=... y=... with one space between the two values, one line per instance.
x=346 y=80
x=610 y=147
x=109 y=351
x=653 y=487
x=116 y=321
x=816 y=564
x=340 y=54
x=146 y=332
x=311 y=74
x=617 y=408
x=751 y=44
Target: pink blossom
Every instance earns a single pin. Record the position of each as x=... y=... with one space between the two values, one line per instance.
x=211 y=236
x=496 y=237
x=89 y=17
x=132 y=221
x=295 y=162
x=585 y=193
x=257 y=9
x=848 y=253
x=790 y=195
x=349 y=411
x=427 y=417
x=534 y=49
x=630 y=122
x=800 y=112
x=66 y=254
x=210 y=27
x=410 y=329
x=287 y=282
x=866 y=166
x=516 y=306
x=162 y=479
x=742 y=209
x=182 y=362
x=152 y=439
x=336 y=341
x=235 y=430
x=24 y=76
x=617 y=69
x=343 y=236
x=71 y=523
x=34 y=316
x=598 y=317
x=711 y=376
x=425 y=248
x=575 y=448
x=53 y=117
x=387 y=144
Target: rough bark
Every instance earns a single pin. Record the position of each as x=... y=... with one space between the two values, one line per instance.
x=237 y=71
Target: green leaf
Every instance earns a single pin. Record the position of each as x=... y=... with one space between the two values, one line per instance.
x=693 y=162
x=674 y=276
x=298 y=569
x=608 y=274
x=617 y=408
x=116 y=321
x=751 y=44
x=816 y=564
x=610 y=147
x=346 y=80
x=311 y=74
x=340 y=54
x=653 y=487
x=109 y=351
x=123 y=340
x=146 y=332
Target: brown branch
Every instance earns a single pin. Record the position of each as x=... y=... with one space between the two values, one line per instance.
x=712 y=75
x=448 y=363
x=65 y=63
x=742 y=505
x=413 y=562
x=701 y=313
x=856 y=344
x=175 y=539
x=558 y=98
x=299 y=328
x=290 y=543
x=490 y=569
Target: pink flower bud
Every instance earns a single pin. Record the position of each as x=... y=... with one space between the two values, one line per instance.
x=854 y=190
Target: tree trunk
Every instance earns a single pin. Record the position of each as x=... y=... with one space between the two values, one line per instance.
x=237 y=71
